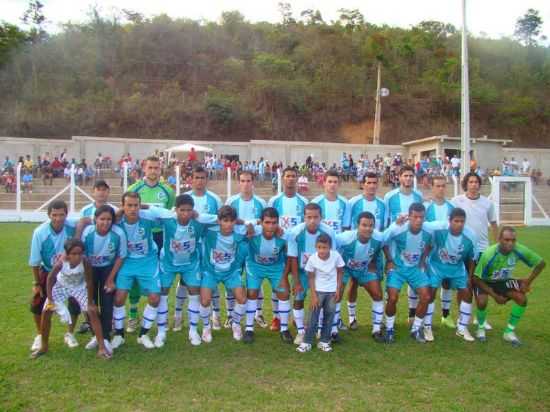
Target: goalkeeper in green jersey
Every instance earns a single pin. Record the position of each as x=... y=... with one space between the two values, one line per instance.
x=153 y=193
x=493 y=277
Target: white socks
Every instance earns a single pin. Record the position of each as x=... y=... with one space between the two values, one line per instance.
x=181 y=295
x=162 y=314
x=193 y=311
x=149 y=316
x=299 y=319
x=284 y=312
x=377 y=315
x=465 y=314
x=251 y=305
x=119 y=315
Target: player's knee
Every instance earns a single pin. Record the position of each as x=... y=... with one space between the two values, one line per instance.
x=252 y=293
x=424 y=296
x=154 y=300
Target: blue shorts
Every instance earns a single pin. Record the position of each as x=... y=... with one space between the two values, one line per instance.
x=144 y=272
x=455 y=282
x=231 y=280
x=189 y=275
x=413 y=276
x=363 y=278
x=305 y=285
x=254 y=281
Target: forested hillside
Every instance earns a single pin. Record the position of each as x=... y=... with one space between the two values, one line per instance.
x=309 y=79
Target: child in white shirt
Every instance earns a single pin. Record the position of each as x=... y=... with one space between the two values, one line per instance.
x=325 y=270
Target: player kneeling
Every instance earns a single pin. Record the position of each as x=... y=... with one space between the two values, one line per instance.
x=452 y=259
x=70 y=277
x=361 y=250
x=222 y=262
x=266 y=260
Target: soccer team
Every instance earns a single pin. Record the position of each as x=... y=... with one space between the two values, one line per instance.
x=108 y=256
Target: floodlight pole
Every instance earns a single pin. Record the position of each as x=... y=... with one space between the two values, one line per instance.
x=465 y=99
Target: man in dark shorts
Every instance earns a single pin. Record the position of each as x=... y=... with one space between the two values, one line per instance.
x=493 y=277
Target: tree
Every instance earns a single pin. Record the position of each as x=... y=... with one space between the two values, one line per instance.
x=285 y=9
x=351 y=19
x=312 y=17
x=34 y=17
x=528 y=27
x=11 y=37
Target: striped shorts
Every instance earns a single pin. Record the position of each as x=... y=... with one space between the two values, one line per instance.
x=61 y=294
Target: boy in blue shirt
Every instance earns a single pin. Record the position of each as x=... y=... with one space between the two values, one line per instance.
x=267 y=255
x=224 y=253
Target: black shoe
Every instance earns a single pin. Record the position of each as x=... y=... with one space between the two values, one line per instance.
x=248 y=336
x=353 y=325
x=286 y=337
x=335 y=338
x=379 y=337
x=84 y=327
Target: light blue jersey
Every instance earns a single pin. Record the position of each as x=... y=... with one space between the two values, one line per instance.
x=360 y=204
x=139 y=236
x=180 y=250
x=449 y=252
x=266 y=256
x=223 y=254
x=102 y=251
x=247 y=210
x=47 y=245
x=291 y=209
x=406 y=248
x=438 y=213
x=356 y=254
x=398 y=203
x=334 y=213
x=209 y=203
x=89 y=210
x=301 y=243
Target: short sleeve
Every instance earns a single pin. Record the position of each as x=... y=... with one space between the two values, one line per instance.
x=339 y=261
x=292 y=246
x=310 y=267
x=491 y=213
x=527 y=256
x=35 y=258
x=482 y=264
x=347 y=215
x=123 y=247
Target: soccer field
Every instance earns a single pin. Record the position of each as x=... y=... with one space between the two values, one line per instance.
x=359 y=374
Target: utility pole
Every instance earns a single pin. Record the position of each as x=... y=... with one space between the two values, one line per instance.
x=465 y=99
x=378 y=109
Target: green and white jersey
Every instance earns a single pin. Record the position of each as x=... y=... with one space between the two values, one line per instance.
x=495 y=266
x=158 y=195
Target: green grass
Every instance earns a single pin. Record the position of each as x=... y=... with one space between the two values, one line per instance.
x=360 y=374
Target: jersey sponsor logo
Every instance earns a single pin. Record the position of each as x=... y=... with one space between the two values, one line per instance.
x=411 y=258
x=98 y=260
x=221 y=257
x=110 y=246
x=161 y=196
x=137 y=248
x=355 y=264
x=265 y=260
x=503 y=273
x=446 y=257
x=182 y=246
x=287 y=222
x=141 y=231
x=333 y=224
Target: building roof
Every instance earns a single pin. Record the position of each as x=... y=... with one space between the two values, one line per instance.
x=444 y=137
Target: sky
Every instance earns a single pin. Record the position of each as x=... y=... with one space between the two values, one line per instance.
x=495 y=18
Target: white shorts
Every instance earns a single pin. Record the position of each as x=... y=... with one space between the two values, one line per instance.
x=61 y=294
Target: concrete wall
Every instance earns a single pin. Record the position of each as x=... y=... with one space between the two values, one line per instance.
x=489 y=154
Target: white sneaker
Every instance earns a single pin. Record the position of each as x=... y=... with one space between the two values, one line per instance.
x=511 y=338
x=237 y=331
x=194 y=338
x=487 y=324
x=160 y=339
x=92 y=344
x=132 y=325
x=465 y=334
x=108 y=346
x=325 y=347
x=303 y=347
x=178 y=322
x=480 y=334
x=70 y=340
x=299 y=339
x=36 y=343
x=207 y=335
x=146 y=341
x=216 y=324
x=428 y=334
x=117 y=342
x=228 y=322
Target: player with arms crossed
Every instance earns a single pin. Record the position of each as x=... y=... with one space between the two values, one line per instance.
x=493 y=277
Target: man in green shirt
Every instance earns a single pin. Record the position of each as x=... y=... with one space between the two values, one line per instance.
x=493 y=277
x=153 y=193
